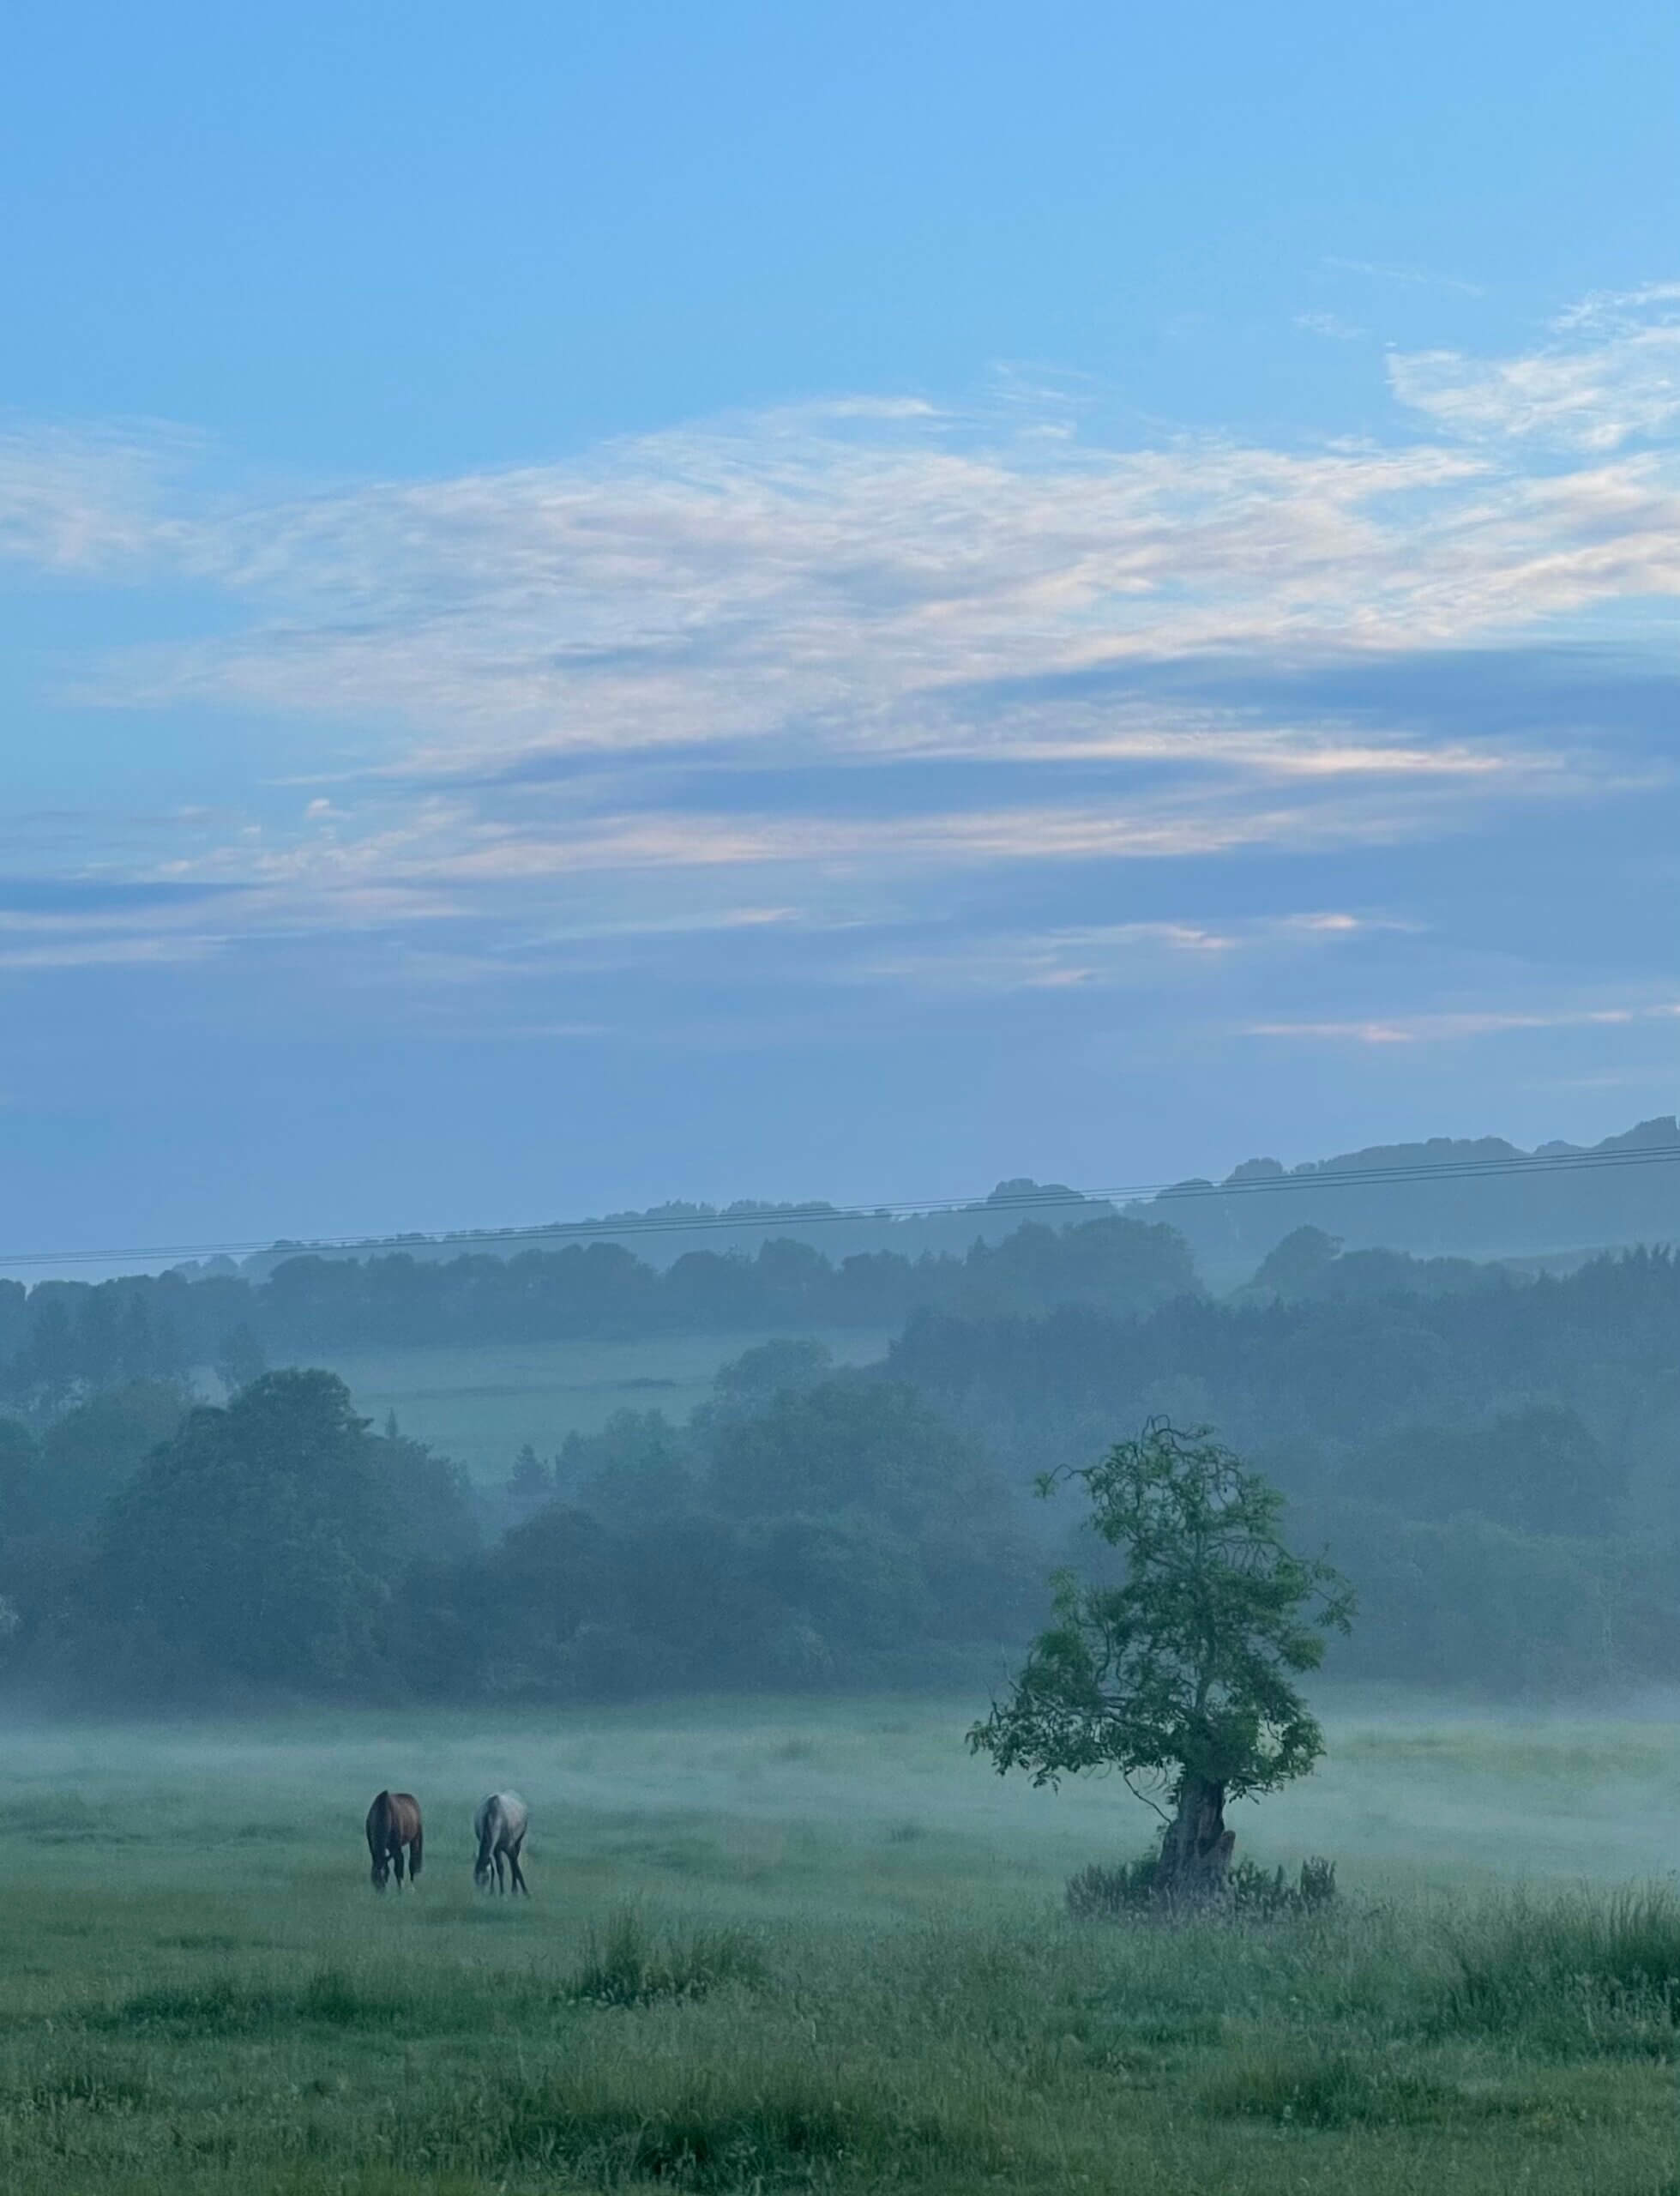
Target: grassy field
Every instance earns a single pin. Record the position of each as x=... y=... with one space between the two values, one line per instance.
x=797 y=1946
x=480 y=1405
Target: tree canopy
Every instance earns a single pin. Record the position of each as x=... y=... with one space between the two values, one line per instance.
x=259 y=1543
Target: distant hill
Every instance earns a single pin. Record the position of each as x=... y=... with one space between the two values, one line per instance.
x=664 y=1233
x=1477 y=1197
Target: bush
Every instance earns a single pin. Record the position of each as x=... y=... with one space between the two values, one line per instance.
x=1128 y=1889
x=1109 y=1894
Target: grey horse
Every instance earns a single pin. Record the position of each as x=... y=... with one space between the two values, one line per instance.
x=499 y=1825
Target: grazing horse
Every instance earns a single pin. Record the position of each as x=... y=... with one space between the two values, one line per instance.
x=394 y=1821
x=499 y=1825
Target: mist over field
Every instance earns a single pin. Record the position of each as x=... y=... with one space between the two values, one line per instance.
x=771 y=1805
x=781 y=1942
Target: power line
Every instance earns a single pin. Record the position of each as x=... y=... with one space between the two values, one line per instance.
x=633 y=1225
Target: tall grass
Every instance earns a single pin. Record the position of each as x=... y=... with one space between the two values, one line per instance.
x=628 y=1964
x=1599 y=1969
x=745 y=2123
x=1328 y=2089
x=636 y=2046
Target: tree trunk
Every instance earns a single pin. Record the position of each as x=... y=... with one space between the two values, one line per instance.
x=1196 y=1852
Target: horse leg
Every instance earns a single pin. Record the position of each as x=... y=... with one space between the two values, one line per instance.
x=500 y=1885
x=519 y=1883
x=396 y=1864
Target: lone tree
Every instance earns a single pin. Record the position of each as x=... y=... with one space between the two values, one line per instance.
x=1179 y=1677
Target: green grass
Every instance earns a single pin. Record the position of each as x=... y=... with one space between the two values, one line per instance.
x=480 y=1404
x=738 y=1972
x=628 y=1965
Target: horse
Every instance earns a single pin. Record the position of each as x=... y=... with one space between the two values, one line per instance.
x=499 y=1825
x=394 y=1821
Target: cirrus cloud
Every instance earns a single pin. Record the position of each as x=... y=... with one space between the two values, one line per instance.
x=852 y=653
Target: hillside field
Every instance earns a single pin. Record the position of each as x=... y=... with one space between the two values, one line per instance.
x=779 y=1945
x=480 y=1404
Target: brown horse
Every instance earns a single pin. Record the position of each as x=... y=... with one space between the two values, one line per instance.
x=394 y=1821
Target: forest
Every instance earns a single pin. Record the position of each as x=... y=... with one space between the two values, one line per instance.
x=1489 y=1458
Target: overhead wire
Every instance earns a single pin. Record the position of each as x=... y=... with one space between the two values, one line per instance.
x=1409 y=1174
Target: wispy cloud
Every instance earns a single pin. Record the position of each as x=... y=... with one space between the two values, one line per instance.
x=775 y=578
x=91 y=503
x=1410 y=276
x=1106 y=956
x=1058 y=727
x=442 y=854
x=1610 y=374
x=1467 y=1022
x=103 y=953
x=800 y=670
x=828 y=576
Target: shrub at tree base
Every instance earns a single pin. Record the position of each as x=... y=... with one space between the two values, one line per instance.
x=1131 y=1889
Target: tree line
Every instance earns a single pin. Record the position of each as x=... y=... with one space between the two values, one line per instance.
x=60 y=1338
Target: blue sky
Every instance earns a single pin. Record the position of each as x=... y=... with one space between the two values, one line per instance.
x=602 y=603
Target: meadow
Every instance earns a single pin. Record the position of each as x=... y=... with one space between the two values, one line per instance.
x=480 y=1404
x=796 y=1945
